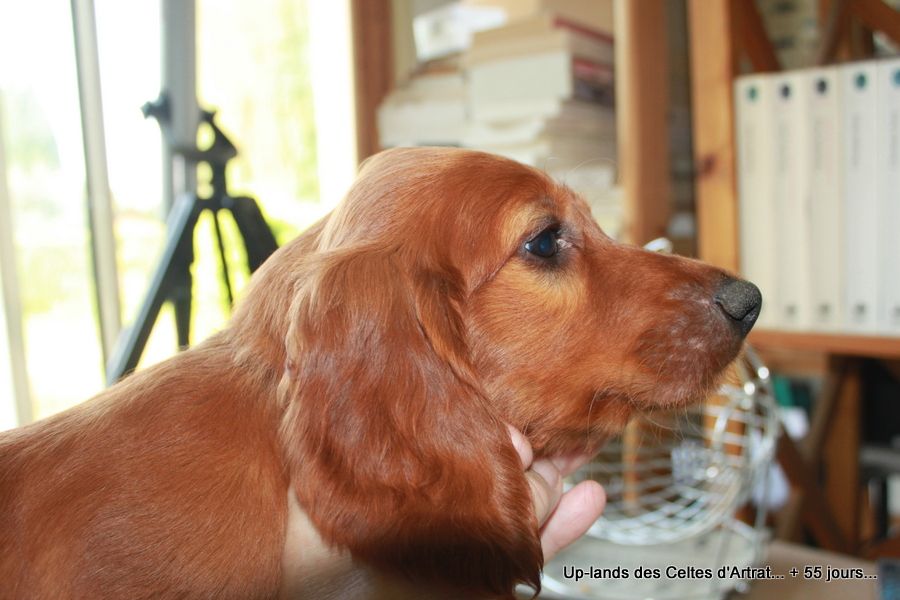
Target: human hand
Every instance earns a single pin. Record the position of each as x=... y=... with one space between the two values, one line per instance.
x=563 y=517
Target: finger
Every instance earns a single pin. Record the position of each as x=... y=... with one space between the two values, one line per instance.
x=569 y=463
x=546 y=488
x=576 y=512
x=520 y=442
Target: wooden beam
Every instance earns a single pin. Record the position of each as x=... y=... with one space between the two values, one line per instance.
x=824 y=412
x=878 y=16
x=373 y=68
x=862 y=40
x=840 y=344
x=841 y=458
x=753 y=38
x=816 y=514
x=713 y=68
x=788 y=519
x=884 y=549
x=834 y=17
x=642 y=104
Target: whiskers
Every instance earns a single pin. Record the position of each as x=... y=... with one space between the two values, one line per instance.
x=590 y=426
x=571 y=173
x=673 y=424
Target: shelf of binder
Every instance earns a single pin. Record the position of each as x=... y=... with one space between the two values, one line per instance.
x=818 y=154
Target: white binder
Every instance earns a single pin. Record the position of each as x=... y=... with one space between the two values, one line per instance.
x=790 y=185
x=824 y=143
x=859 y=94
x=753 y=115
x=888 y=158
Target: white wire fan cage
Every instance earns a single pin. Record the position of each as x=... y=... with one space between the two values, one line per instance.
x=674 y=482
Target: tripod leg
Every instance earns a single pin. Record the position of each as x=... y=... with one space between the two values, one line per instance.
x=259 y=241
x=178 y=251
x=181 y=302
x=221 y=243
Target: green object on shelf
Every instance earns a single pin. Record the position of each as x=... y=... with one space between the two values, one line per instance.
x=784 y=395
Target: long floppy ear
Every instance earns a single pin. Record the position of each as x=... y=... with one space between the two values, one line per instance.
x=392 y=449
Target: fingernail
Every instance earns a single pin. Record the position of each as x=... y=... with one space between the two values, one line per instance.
x=520 y=443
x=548 y=473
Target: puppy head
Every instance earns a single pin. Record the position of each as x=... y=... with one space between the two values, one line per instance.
x=574 y=332
x=451 y=292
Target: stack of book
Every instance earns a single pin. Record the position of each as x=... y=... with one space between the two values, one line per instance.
x=429 y=110
x=819 y=186
x=793 y=27
x=429 y=107
x=595 y=14
x=538 y=89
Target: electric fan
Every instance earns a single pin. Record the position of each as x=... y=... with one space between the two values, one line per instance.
x=675 y=481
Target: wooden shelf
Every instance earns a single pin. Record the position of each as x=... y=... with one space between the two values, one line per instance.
x=725 y=34
x=836 y=344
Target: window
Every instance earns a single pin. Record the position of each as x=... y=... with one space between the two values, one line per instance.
x=265 y=67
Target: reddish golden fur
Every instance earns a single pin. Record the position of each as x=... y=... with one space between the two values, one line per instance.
x=371 y=367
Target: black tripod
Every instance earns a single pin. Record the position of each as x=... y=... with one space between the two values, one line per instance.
x=172 y=277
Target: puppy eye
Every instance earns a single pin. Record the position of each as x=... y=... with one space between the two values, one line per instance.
x=545 y=244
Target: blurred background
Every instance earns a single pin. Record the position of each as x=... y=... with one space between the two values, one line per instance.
x=632 y=103
x=255 y=64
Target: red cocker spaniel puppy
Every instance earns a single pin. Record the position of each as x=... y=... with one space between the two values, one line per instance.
x=369 y=374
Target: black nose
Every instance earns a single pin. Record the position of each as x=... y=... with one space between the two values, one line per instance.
x=740 y=300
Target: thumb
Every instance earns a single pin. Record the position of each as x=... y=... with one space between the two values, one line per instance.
x=545 y=482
